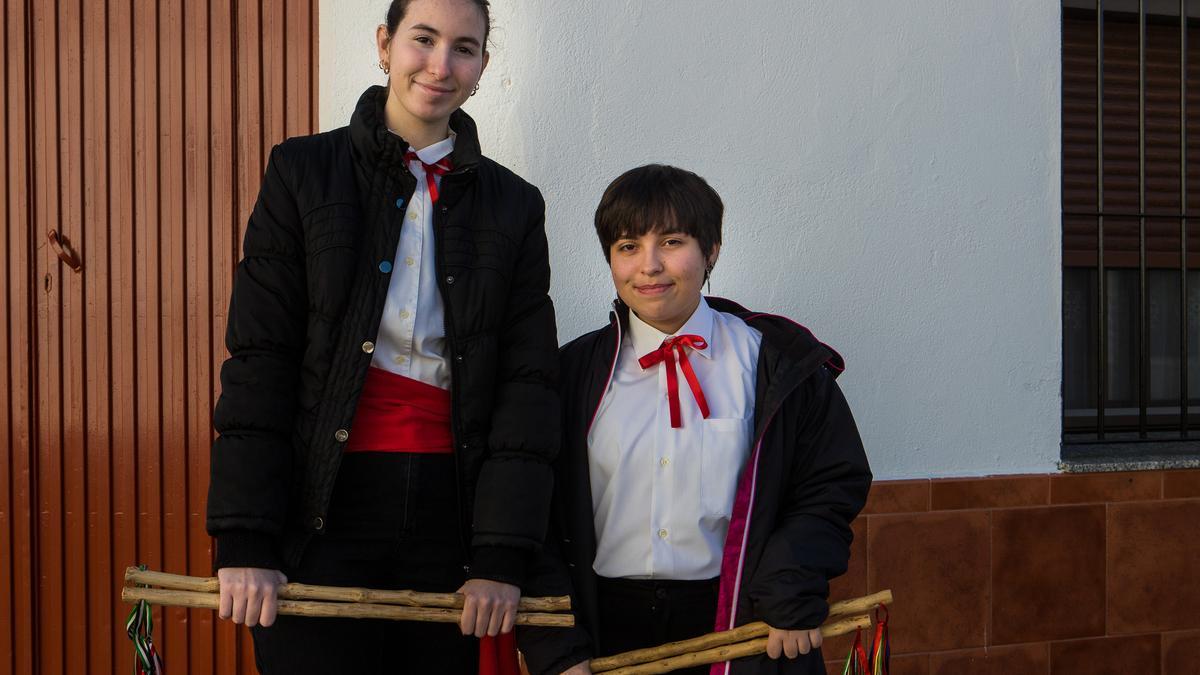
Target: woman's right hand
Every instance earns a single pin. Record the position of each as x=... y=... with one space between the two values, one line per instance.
x=248 y=594
x=581 y=668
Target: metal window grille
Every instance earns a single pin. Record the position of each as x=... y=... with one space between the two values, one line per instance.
x=1131 y=269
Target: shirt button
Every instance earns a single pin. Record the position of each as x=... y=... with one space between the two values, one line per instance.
x=368 y=347
x=399 y=360
x=385 y=266
x=412 y=216
x=400 y=202
x=664 y=462
x=662 y=534
x=341 y=435
x=409 y=261
x=404 y=314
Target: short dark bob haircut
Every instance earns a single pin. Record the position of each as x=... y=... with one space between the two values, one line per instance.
x=658 y=199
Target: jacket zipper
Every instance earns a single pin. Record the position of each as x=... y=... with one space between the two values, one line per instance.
x=448 y=327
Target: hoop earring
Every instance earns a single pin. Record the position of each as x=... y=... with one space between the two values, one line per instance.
x=383 y=66
x=475 y=90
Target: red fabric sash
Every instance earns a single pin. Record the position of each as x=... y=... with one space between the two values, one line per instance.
x=667 y=352
x=400 y=414
x=498 y=655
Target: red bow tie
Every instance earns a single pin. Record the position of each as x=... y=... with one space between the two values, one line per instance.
x=670 y=347
x=438 y=168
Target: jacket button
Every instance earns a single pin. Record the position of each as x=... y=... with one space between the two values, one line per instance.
x=318 y=523
x=385 y=266
x=463 y=446
x=400 y=202
x=368 y=347
x=450 y=280
x=341 y=435
x=458 y=357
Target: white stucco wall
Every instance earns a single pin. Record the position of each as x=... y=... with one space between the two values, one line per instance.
x=890 y=172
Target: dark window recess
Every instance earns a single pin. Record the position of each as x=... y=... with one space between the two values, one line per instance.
x=1131 y=207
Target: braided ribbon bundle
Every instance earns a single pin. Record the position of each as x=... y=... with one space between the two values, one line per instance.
x=140 y=629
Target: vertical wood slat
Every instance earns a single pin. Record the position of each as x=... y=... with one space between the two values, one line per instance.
x=95 y=654
x=47 y=476
x=72 y=142
x=16 y=568
x=15 y=304
x=135 y=128
x=224 y=210
x=123 y=311
x=147 y=346
x=172 y=277
x=198 y=311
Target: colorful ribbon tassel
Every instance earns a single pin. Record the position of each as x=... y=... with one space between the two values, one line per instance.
x=858 y=663
x=140 y=629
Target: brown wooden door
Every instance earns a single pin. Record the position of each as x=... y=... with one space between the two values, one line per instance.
x=138 y=130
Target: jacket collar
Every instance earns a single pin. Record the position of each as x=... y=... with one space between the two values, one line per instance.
x=375 y=146
x=792 y=341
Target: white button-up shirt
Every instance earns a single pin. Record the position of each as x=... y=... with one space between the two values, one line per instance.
x=412 y=331
x=662 y=496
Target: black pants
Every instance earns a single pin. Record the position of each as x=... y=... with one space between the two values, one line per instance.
x=393 y=524
x=637 y=613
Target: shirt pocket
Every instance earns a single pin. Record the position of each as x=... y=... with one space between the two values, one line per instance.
x=722 y=454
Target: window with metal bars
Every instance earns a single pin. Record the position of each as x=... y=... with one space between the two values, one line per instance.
x=1131 y=209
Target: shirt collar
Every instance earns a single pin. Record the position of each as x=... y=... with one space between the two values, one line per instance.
x=646 y=338
x=436 y=152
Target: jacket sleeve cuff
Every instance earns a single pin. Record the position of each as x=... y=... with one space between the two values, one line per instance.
x=246 y=548
x=550 y=651
x=500 y=563
x=800 y=613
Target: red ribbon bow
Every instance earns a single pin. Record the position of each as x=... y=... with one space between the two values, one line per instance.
x=438 y=168
x=670 y=347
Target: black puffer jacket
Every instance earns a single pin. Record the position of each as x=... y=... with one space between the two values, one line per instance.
x=804 y=482
x=309 y=295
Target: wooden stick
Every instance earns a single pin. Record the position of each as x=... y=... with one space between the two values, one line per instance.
x=729 y=651
x=739 y=634
x=347 y=610
x=859 y=605
x=179 y=582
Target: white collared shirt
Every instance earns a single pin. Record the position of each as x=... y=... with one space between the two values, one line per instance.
x=662 y=496
x=412 y=332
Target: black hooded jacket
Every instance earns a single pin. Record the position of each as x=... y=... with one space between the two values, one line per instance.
x=805 y=481
x=306 y=306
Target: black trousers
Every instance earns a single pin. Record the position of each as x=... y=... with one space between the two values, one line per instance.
x=638 y=613
x=393 y=524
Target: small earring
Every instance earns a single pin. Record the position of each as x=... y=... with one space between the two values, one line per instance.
x=475 y=90
x=383 y=67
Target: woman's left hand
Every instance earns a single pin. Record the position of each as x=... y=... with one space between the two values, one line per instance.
x=489 y=608
x=792 y=642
